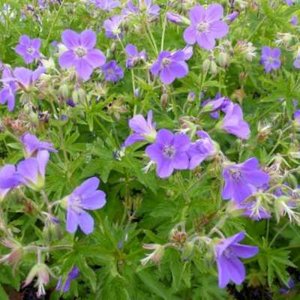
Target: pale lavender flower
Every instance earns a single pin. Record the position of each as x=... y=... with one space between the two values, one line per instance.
x=296 y=62
x=25 y=78
x=234 y=123
x=81 y=53
x=142 y=129
x=289 y=2
x=175 y=18
x=134 y=56
x=219 y=103
x=294 y=20
x=8 y=178
x=31 y=171
x=231 y=17
x=227 y=254
x=144 y=7
x=28 y=48
x=202 y=149
x=188 y=52
x=170 y=66
x=270 y=58
x=8 y=91
x=169 y=152
x=297 y=116
x=32 y=144
x=65 y=287
x=85 y=197
x=206 y=26
x=113 y=27
x=112 y=71
x=242 y=180
x=106 y=5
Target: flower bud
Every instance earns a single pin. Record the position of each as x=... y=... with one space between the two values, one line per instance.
x=14 y=257
x=164 y=100
x=213 y=68
x=231 y=17
x=79 y=95
x=206 y=65
x=187 y=250
x=48 y=63
x=42 y=273
x=177 y=19
x=191 y=97
x=223 y=59
x=155 y=256
x=64 y=91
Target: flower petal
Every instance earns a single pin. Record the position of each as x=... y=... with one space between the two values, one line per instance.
x=86 y=222
x=88 y=39
x=72 y=221
x=70 y=39
x=244 y=251
x=214 y=12
x=94 y=201
x=67 y=59
x=84 y=69
x=88 y=187
x=95 y=58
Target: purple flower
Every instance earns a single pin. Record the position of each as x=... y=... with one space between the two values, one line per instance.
x=8 y=178
x=227 y=253
x=214 y=106
x=234 y=123
x=112 y=26
x=143 y=129
x=31 y=171
x=112 y=71
x=170 y=66
x=294 y=20
x=72 y=275
x=28 y=48
x=242 y=180
x=206 y=26
x=144 y=6
x=84 y=197
x=297 y=116
x=32 y=144
x=231 y=17
x=188 y=52
x=270 y=58
x=81 y=53
x=106 y=5
x=201 y=149
x=175 y=18
x=134 y=56
x=25 y=78
x=296 y=62
x=7 y=93
x=169 y=152
x=289 y=2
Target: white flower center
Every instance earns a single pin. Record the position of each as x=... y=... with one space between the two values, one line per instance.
x=80 y=51
x=169 y=151
x=30 y=50
x=166 y=61
x=203 y=27
x=235 y=174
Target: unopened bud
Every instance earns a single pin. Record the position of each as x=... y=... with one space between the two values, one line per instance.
x=79 y=95
x=64 y=91
x=223 y=59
